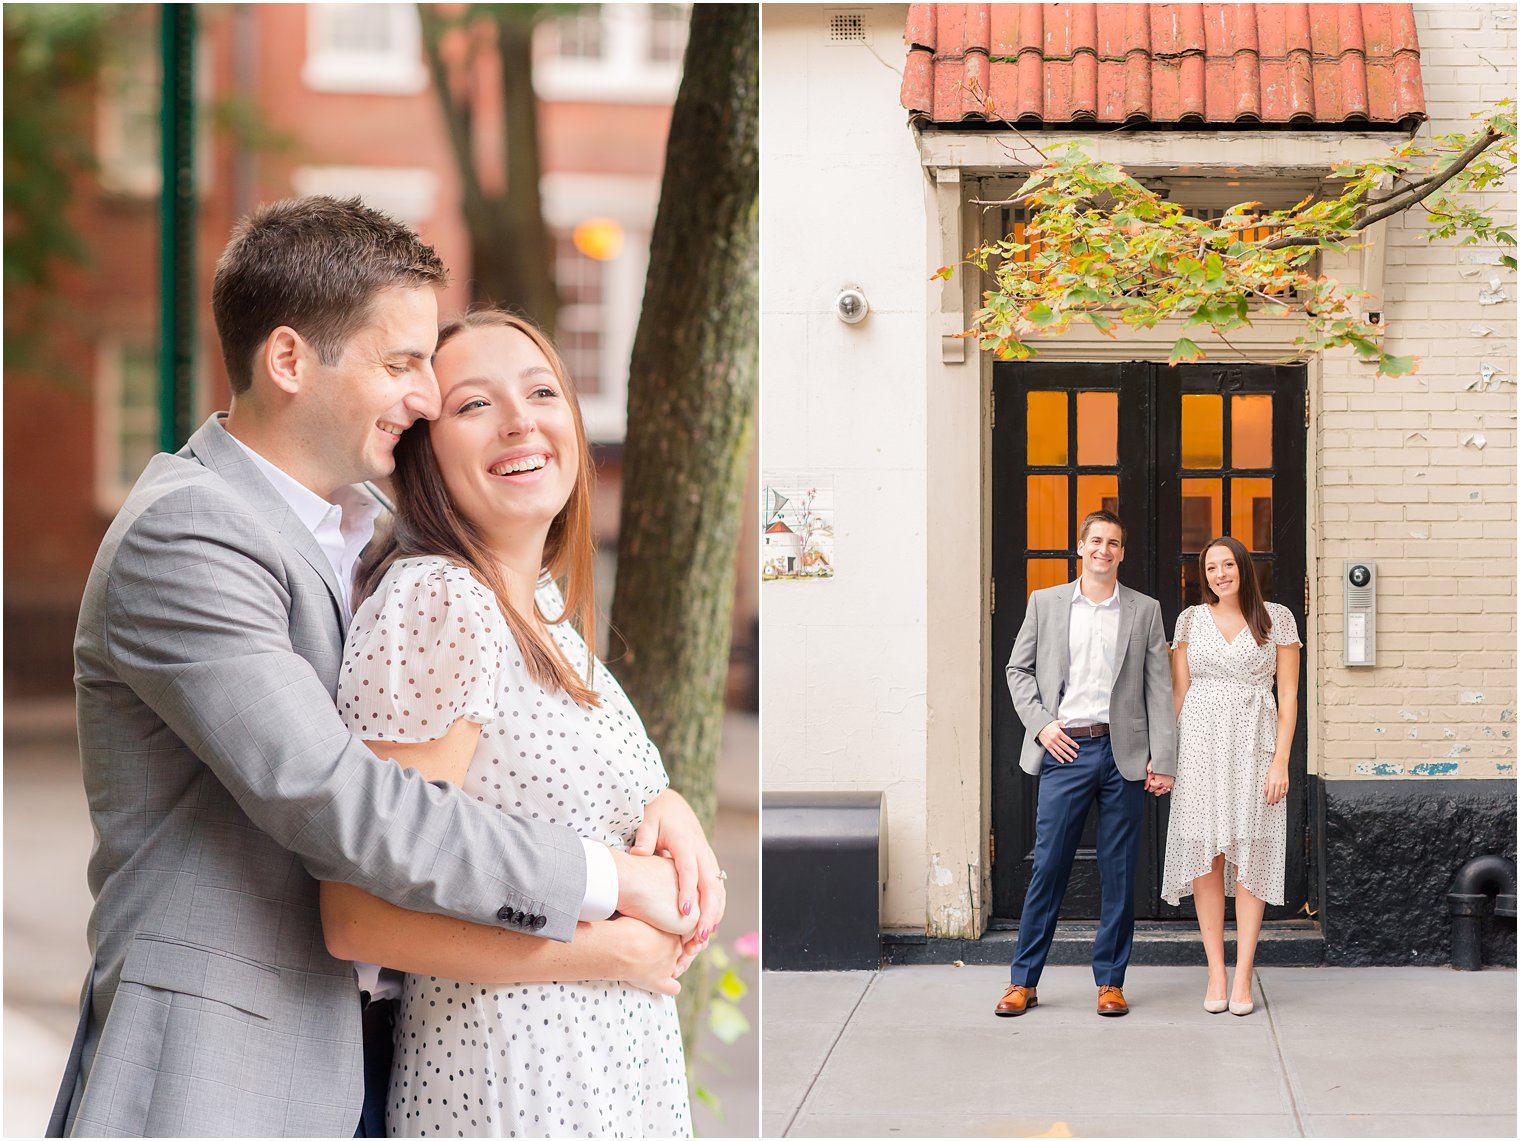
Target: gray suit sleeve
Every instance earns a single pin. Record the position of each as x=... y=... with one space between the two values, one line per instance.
x=1023 y=685
x=198 y=624
x=1161 y=717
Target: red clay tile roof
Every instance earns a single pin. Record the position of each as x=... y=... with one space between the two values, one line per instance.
x=1199 y=64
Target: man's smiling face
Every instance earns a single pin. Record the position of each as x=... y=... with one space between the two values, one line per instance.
x=1101 y=551
x=358 y=407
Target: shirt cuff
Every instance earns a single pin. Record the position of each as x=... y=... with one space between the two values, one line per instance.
x=601 y=883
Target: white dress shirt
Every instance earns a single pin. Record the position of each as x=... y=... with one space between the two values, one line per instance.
x=1093 y=646
x=343 y=527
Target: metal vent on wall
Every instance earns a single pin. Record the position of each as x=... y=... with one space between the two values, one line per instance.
x=847 y=27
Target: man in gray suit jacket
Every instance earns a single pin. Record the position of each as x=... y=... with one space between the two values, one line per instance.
x=1091 y=681
x=222 y=783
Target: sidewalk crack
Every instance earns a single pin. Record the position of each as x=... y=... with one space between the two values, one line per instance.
x=1282 y=1061
x=808 y=1093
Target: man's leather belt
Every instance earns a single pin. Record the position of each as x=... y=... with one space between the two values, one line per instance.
x=1077 y=732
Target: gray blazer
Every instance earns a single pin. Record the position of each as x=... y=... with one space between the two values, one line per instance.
x=223 y=785
x=1142 y=724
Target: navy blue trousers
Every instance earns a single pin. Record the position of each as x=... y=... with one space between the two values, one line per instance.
x=379 y=1022
x=1067 y=793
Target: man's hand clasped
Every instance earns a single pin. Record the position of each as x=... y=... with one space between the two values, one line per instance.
x=1156 y=783
x=670 y=878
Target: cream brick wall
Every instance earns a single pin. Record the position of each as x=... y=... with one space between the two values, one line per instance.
x=843 y=662
x=1419 y=474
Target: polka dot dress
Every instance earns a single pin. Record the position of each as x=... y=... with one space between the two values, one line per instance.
x=1226 y=736
x=541 y=1060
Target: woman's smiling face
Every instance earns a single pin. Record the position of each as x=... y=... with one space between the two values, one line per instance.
x=505 y=435
x=1220 y=570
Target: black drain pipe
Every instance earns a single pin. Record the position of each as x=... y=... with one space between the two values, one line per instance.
x=1479 y=878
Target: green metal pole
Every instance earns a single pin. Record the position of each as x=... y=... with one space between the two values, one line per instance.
x=176 y=357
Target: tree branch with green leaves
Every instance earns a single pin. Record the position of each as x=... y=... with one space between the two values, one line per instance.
x=1100 y=246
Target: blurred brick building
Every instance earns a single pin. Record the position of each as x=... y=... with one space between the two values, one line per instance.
x=301 y=99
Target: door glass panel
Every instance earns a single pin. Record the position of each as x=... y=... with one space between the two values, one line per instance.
x=1049 y=529
x=1191 y=595
x=1047 y=572
x=1098 y=428
x=1096 y=493
x=1203 y=431
x=1202 y=512
x=1251 y=431
x=1046 y=429
x=1264 y=579
x=1251 y=512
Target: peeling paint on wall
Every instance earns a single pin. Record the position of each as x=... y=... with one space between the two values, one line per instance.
x=1470 y=697
x=1379 y=768
x=1434 y=768
x=942 y=876
x=1409 y=715
x=1503 y=768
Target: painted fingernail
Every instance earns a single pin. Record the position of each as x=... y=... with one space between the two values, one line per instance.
x=686 y=908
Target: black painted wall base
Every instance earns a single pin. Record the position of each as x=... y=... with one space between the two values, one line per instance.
x=1390 y=851
x=1293 y=943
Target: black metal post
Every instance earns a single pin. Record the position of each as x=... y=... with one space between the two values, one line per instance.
x=176 y=357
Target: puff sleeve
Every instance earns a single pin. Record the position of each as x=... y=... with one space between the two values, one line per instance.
x=1284 y=627
x=425 y=650
x=1184 y=625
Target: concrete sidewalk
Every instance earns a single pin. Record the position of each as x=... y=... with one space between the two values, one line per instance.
x=1358 y=1052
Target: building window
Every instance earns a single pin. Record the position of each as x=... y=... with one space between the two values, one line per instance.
x=408 y=194
x=578 y=36
x=615 y=53
x=667 y=33
x=127 y=122
x=126 y=418
x=581 y=292
x=373 y=49
x=600 y=224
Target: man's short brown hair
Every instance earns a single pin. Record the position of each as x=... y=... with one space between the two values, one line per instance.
x=315 y=264
x=1103 y=517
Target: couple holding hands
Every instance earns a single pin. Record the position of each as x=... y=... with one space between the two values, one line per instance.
x=1108 y=718
x=305 y=751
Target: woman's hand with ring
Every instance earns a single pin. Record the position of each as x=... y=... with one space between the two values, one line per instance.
x=1277 y=781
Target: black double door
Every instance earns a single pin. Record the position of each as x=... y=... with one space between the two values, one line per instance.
x=1181 y=454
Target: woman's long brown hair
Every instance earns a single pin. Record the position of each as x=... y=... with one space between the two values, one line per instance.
x=1251 y=604
x=428 y=522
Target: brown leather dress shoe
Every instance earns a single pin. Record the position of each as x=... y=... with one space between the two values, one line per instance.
x=1111 y=1001
x=1016 y=999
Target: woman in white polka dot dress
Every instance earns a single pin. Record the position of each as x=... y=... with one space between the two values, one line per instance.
x=1227 y=832
x=464 y=645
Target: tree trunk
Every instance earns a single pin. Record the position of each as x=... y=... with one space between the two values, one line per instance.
x=511 y=256
x=519 y=272
x=691 y=403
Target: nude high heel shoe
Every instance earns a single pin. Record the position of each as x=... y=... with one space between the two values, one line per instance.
x=1216 y=1005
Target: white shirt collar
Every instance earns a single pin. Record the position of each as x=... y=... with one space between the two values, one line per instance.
x=310 y=508
x=342 y=527
x=1078 y=596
